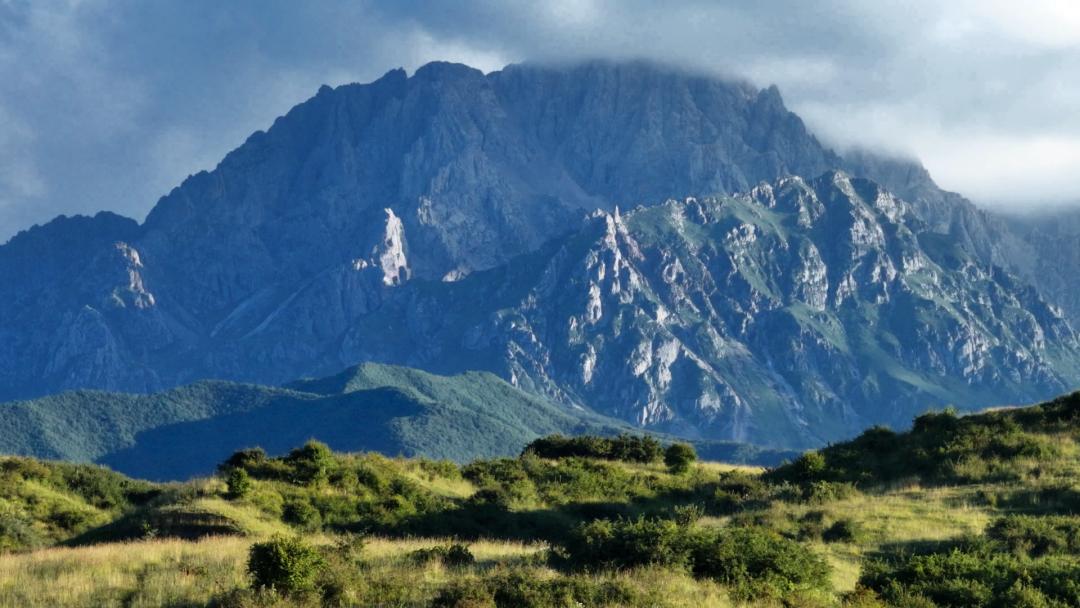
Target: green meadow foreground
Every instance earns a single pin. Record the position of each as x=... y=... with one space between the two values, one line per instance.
x=961 y=511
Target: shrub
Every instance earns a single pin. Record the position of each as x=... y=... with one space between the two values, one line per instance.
x=679 y=456
x=495 y=498
x=808 y=467
x=629 y=543
x=737 y=490
x=458 y=556
x=753 y=562
x=843 y=531
x=818 y=492
x=524 y=589
x=507 y=475
x=976 y=575
x=238 y=482
x=687 y=515
x=301 y=513
x=1036 y=536
x=17 y=533
x=287 y=565
x=453 y=556
x=464 y=594
x=247 y=459
x=372 y=478
x=446 y=469
x=862 y=597
x=758 y=563
x=812 y=525
x=625 y=447
x=1022 y=596
x=310 y=463
x=945 y=421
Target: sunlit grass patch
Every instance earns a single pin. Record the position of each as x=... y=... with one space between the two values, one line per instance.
x=144 y=573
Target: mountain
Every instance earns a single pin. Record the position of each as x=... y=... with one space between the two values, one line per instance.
x=1041 y=248
x=1045 y=248
x=360 y=188
x=187 y=431
x=453 y=220
x=795 y=314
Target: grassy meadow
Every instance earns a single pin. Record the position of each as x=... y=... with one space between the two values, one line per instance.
x=961 y=511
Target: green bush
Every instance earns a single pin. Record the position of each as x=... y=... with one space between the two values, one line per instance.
x=756 y=563
x=752 y=562
x=1022 y=596
x=679 y=456
x=310 y=463
x=1036 y=536
x=299 y=511
x=453 y=556
x=287 y=565
x=811 y=526
x=247 y=459
x=808 y=468
x=943 y=447
x=629 y=543
x=446 y=469
x=975 y=576
x=17 y=533
x=820 y=492
x=843 y=531
x=238 y=483
x=464 y=594
x=628 y=448
x=687 y=515
x=496 y=498
x=521 y=589
x=508 y=474
x=737 y=490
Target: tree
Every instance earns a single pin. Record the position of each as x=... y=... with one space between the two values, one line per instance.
x=239 y=483
x=310 y=463
x=679 y=456
x=244 y=459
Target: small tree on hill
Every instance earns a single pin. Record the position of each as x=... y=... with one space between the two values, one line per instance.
x=239 y=483
x=244 y=459
x=679 y=456
x=310 y=463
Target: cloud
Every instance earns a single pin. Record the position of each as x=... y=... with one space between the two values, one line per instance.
x=108 y=104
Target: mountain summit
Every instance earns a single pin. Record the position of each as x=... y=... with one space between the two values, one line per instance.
x=454 y=220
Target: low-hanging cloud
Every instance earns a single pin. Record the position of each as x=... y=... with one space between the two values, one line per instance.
x=107 y=105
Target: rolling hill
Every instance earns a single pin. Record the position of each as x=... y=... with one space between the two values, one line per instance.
x=187 y=431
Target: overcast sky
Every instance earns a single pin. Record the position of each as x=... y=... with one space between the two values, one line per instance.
x=109 y=104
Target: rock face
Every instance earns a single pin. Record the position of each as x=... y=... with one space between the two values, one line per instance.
x=1043 y=250
x=454 y=220
x=796 y=314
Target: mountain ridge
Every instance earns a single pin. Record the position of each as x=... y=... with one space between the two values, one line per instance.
x=379 y=202
x=186 y=431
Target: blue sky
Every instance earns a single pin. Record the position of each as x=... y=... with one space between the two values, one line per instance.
x=109 y=104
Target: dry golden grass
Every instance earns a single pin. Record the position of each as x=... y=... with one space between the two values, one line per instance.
x=377 y=548
x=173 y=572
x=723 y=467
x=168 y=571
x=145 y=573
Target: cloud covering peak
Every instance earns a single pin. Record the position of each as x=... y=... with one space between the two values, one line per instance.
x=107 y=105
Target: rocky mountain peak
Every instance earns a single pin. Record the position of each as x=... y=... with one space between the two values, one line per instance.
x=455 y=220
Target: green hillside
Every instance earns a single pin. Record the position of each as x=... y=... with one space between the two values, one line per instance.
x=186 y=431
x=962 y=511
